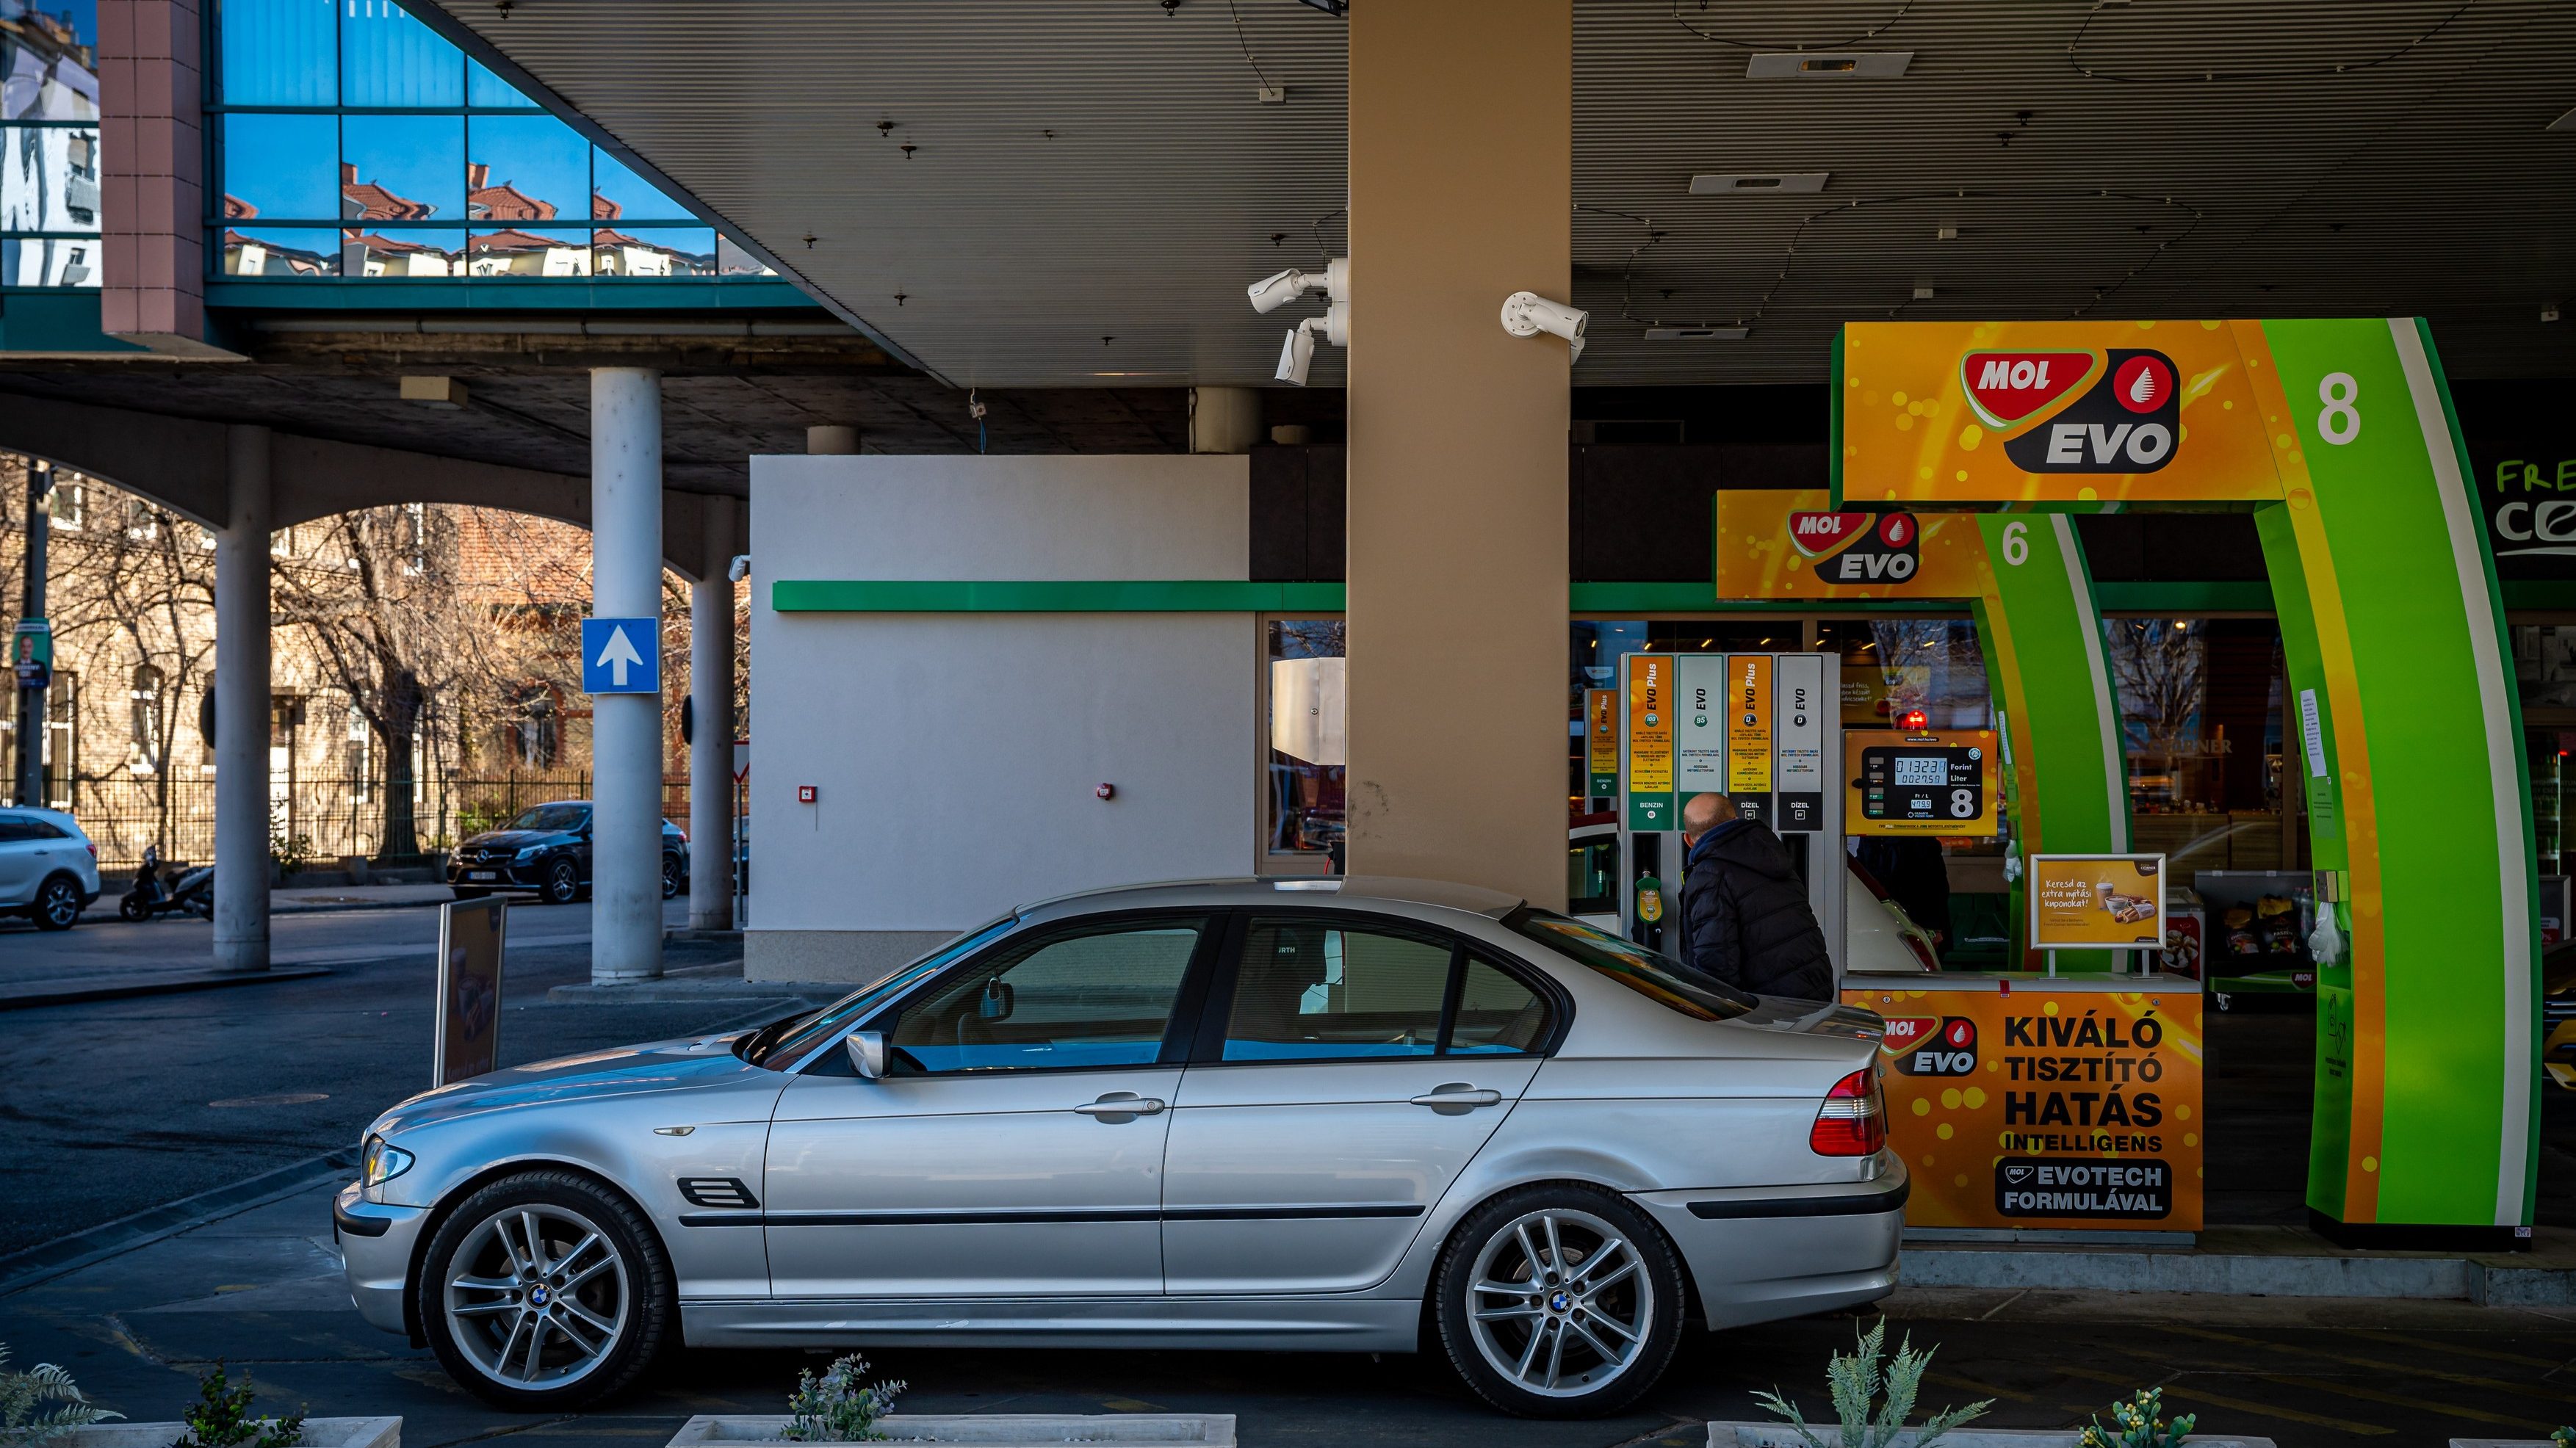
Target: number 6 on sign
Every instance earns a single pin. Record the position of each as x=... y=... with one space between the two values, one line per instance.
x=2016 y=544
x=2340 y=423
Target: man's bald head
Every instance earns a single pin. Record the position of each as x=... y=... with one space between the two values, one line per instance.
x=1705 y=812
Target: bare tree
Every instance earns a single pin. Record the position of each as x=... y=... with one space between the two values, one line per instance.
x=2158 y=667
x=378 y=598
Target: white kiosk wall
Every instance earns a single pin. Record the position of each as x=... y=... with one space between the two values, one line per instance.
x=1765 y=730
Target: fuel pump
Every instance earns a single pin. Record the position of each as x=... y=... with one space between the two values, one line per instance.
x=1763 y=729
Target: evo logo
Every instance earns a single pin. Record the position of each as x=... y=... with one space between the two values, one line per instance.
x=1932 y=1046
x=1859 y=548
x=2128 y=422
x=2129 y=1187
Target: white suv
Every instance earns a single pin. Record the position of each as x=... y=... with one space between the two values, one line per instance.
x=48 y=868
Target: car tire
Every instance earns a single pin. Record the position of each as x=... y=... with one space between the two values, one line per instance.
x=563 y=883
x=534 y=1338
x=58 y=903
x=1601 y=1316
x=672 y=879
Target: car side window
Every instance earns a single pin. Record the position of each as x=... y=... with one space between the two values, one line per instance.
x=1097 y=996
x=17 y=829
x=1309 y=989
x=1496 y=1015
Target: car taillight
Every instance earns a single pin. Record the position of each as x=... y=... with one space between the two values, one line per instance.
x=1853 y=1120
x=92 y=847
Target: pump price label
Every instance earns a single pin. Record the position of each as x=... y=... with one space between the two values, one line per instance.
x=1601 y=747
x=1748 y=734
x=1650 y=741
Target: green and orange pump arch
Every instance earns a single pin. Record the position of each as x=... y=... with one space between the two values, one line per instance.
x=2339 y=436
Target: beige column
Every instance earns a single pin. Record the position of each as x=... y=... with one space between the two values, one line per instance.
x=1461 y=176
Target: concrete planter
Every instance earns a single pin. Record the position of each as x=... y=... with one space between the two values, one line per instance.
x=318 y=1433
x=989 y=1430
x=2483 y=1443
x=1781 y=1435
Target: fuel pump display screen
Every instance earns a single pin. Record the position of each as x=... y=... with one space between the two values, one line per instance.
x=1921 y=783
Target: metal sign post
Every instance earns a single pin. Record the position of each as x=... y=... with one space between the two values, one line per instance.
x=471 y=935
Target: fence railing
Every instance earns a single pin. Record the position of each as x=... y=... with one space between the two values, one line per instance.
x=317 y=820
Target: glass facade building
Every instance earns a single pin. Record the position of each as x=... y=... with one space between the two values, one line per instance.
x=345 y=140
x=49 y=183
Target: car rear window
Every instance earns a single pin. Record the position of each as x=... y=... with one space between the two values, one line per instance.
x=1659 y=978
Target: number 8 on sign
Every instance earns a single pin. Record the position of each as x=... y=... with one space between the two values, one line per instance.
x=2340 y=423
x=1963 y=804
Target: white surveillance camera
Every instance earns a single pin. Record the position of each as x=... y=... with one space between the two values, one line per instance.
x=1273 y=292
x=1526 y=314
x=740 y=570
x=1296 y=354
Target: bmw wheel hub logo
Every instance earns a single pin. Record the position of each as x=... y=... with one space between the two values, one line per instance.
x=1560 y=1302
x=537 y=1296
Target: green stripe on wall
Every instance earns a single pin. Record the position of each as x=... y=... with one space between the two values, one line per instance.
x=837 y=595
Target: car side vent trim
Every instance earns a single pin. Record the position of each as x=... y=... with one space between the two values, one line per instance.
x=717 y=1192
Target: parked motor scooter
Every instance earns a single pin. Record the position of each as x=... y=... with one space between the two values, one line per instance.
x=154 y=893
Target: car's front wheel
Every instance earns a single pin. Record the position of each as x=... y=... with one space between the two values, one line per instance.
x=545 y=1291
x=1559 y=1301
x=58 y=904
x=673 y=880
x=563 y=883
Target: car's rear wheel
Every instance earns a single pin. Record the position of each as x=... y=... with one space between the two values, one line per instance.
x=545 y=1291
x=672 y=879
x=563 y=883
x=58 y=904
x=1559 y=1301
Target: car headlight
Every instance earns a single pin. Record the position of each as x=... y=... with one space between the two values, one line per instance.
x=381 y=1162
x=524 y=856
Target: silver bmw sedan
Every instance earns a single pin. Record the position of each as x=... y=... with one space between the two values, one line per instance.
x=1246 y=1114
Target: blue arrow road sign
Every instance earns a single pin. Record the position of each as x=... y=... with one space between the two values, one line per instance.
x=621 y=655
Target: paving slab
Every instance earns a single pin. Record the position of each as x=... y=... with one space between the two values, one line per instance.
x=2258 y=1262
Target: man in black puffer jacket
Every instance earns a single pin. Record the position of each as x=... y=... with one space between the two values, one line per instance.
x=1744 y=910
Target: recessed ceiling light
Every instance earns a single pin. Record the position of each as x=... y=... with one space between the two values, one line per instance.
x=1696 y=334
x=1923 y=292
x=1758 y=183
x=1945 y=233
x=1856 y=64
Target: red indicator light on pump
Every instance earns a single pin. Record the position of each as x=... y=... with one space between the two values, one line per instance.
x=1853 y=1120
x=1914 y=721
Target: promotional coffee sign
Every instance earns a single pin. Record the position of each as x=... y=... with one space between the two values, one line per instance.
x=2045 y=1109
x=2526 y=489
x=470 y=938
x=2092 y=902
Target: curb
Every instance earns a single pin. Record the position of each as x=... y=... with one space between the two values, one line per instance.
x=48 y=1260
x=2487 y=1281
x=677 y=992
x=167 y=985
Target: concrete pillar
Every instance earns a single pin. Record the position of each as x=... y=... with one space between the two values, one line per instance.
x=831 y=439
x=626 y=729
x=1461 y=177
x=1224 y=419
x=242 y=707
x=711 y=640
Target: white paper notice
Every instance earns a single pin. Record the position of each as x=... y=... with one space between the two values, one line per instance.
x=2313 y=732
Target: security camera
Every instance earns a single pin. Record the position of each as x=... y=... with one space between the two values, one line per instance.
x=1526 y=314
x=740 y=570
x=1273 y=292
x=1297 y=353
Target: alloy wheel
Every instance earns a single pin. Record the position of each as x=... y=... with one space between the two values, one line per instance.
x=58 y=905
x=1559 y=1303
x=537 y=1296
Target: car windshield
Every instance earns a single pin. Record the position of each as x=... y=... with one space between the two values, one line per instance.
x=553 y=817
x=783 y=1044
x=1659 y=978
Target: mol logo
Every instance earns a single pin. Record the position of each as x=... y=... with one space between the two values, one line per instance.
x=1947 y=1048
x=2118 y=411
x=1859 y=547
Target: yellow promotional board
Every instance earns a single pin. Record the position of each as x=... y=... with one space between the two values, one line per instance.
x=1936 y=414
x=1788 y=543
x=1906 y=783
x=2041 y=1109
x=2089 y=902
x=1650 y=742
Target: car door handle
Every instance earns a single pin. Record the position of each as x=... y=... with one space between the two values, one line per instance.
x=1458 y=1094
x=1121 y=1105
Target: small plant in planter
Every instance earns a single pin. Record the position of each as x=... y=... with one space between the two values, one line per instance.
x=840 y=1408
x=1856 y=1379
x=2563 y=1437
x=21 y=1426
x=221 y=1418
x=2138 y=1423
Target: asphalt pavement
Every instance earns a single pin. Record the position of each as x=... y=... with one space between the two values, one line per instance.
x=111 y=1107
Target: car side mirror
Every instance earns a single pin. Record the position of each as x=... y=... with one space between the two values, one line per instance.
x=867 y=1051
